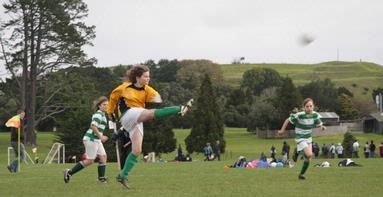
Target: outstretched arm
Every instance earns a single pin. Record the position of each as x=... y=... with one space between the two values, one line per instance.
x=322 y=127
x=284 y=126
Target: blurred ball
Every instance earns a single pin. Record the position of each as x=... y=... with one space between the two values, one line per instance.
x=306 y=39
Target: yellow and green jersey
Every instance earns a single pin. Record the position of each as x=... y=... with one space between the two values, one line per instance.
x=133 y=96
x=99 y=121
x=304 y=123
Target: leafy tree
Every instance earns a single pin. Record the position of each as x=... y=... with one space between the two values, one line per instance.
x=323 y=92
x=207 y=120
x=44 y=35
x=165 y=70
x=236 y=116
x=192 y=72
x=254 y=81
x=348 y=140
x=262 y=115
x=236 y=97
x=346 y=109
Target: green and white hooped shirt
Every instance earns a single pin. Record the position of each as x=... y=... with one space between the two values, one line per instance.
x=304 y=123
x=99 y=121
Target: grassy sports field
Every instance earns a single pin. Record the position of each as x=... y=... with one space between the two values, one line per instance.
x=200 y=178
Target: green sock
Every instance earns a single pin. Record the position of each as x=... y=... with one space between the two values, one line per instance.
x=167 y=111
x=101 y=170
x=129 y=164
x=79 y=166
x=305 y=166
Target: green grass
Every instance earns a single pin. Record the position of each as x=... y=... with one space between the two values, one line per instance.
x=363 y=74
x=200 y=178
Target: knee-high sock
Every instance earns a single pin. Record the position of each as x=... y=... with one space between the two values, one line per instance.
x=305 y=166
x=129 y=164
x=101 y=170
x=166 y=111
x=79 y=166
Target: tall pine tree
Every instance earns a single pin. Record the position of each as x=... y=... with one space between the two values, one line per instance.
x=207 y=120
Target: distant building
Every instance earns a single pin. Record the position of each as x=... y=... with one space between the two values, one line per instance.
x=373 y=123
x=329 y=118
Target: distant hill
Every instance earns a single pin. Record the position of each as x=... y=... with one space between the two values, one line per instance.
x=359 y=77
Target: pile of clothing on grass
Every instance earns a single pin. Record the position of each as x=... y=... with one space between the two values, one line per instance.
x=241 y=162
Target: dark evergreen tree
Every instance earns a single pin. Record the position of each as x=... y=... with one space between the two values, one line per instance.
x=71 y=128
x=348 y=140
x=159 y=137
x=207 y=120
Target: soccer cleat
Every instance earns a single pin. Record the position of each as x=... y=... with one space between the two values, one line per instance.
x=301 y=177
x=123 y=181
x=10 y=169
x=102 y=179
x=66 y=175
x=185 y=108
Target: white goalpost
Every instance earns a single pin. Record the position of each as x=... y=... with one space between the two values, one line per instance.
x=57 y=151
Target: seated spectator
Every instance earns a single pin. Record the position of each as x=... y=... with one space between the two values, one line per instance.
x=263 y=157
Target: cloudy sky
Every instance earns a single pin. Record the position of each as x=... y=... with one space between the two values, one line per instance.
x=262 y=31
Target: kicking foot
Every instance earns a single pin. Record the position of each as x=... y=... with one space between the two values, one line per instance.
x=66 y=175
x=301 y=177
x=123 y=181
x=185 y=108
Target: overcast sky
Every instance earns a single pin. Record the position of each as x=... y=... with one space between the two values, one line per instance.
x=262 y=31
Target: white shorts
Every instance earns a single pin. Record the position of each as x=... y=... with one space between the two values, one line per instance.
x=303 y=143
x=93 y=148
x=129 y=121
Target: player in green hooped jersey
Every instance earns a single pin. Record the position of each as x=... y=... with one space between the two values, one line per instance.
x=93 y=140
x=304 y=122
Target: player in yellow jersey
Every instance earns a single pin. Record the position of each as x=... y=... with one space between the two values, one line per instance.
x=135 y=93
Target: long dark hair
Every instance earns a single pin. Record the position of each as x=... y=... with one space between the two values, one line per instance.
x=136 y=71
